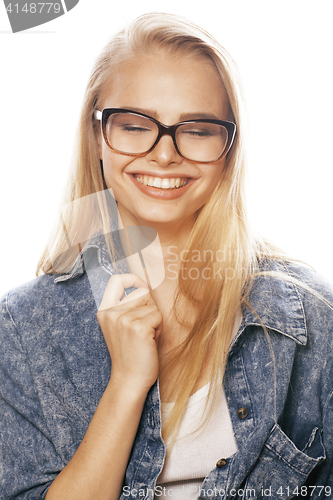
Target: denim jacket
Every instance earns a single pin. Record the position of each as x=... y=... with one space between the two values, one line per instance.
x=55 y=366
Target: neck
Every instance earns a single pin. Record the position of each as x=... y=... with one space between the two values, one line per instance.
x=159 y=260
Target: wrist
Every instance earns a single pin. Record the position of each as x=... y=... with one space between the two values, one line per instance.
x=133 y=390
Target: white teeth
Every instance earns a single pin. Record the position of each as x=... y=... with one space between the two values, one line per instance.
x=158 y=182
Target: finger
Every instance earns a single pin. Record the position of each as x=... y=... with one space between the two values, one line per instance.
x=132 y=313
x=139 y=297
x=158 y=330
x=144 y=322
x=139 y=292
x=116 y=286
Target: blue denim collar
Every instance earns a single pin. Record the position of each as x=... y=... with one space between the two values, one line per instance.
x=272 y=301
x=97 y=242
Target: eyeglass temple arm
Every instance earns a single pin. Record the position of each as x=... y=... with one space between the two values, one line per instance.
x=98 y=114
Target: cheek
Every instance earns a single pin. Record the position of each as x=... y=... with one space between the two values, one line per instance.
x=113 y=166
x=108 y=172
x=213 y=175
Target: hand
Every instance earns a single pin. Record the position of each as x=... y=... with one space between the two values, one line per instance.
x=131 y=327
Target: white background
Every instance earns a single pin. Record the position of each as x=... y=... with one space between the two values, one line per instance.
x=284 y=51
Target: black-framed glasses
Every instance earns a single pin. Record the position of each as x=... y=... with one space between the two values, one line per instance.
x=135 y=134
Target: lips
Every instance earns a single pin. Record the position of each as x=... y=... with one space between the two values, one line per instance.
x=166 y=188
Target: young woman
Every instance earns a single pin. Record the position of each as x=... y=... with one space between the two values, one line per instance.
x=221 y=349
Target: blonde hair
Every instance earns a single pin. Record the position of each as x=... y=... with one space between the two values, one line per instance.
x=220 y=225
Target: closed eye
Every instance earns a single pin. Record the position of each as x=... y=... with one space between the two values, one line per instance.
x=198 y=133
x=133 y=128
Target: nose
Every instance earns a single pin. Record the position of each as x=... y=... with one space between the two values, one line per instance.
x=164 y=153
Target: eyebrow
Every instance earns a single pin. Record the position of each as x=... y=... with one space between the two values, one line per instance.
x=182 y=118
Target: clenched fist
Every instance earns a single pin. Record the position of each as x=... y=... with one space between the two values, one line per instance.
x=131 y=327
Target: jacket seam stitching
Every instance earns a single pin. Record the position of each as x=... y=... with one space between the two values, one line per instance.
x=248 y=389
x=287 y=463
x=299 y=298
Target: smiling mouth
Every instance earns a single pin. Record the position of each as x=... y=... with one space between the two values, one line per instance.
x=162 y=183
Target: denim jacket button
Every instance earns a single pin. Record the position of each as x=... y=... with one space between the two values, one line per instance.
x=221 y=463
x=242 y=413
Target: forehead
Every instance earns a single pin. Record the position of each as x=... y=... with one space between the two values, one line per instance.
x=168 y=86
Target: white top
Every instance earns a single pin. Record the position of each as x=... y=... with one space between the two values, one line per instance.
x=194 y=455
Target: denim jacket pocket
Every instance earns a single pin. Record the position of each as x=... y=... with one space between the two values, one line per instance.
x=282 y=468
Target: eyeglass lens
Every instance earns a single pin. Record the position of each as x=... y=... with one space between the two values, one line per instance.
x=135 y=134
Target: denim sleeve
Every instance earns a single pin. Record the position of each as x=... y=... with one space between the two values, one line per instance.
x=28 y=459
x=328 y=438
x=324 y=475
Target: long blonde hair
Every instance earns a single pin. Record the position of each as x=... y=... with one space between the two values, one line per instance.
x=221 y=224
